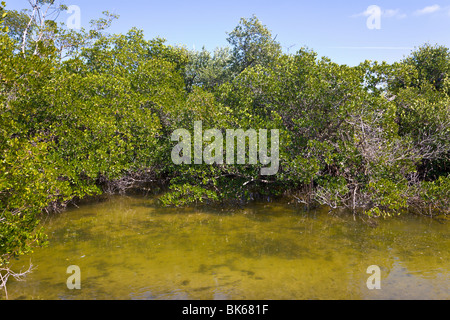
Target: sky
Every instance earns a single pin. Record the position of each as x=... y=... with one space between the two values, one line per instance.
x=347 y=32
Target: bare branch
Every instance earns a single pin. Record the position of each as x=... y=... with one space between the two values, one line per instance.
x=5 y=273
x=32 y=18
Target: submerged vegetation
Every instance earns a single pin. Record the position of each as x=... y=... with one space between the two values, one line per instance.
x=84 y=112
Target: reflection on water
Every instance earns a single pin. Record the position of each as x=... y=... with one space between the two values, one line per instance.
x=128 y=248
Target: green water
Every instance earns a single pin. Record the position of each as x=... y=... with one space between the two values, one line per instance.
x=128 y=248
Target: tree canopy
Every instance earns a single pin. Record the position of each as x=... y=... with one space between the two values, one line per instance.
x=84 y=112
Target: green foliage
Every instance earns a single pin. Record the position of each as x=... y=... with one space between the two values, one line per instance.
x=433 y=197
x=389 y=197
x=423 y=113
x=185 y=194
x=24 y=184
x=432 y=64
x=208 y=71
x=252 y=45
x=82 y=110
x=16 y=22
x=3 y=15
x=67 y=125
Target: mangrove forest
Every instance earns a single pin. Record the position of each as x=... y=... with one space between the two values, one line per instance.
x=85 y=113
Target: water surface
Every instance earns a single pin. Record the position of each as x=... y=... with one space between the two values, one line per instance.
x=129 y=248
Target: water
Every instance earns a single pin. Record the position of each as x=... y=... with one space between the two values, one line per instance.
x=128 y=248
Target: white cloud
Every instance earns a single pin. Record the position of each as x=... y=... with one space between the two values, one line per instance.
x=365 y=13
x=388 y=13
x=428 y=10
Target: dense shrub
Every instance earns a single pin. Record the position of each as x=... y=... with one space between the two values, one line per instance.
x=84 y=112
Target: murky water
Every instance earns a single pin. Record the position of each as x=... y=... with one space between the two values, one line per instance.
x=128 y=248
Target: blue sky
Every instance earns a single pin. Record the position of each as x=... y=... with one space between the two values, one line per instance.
x=336 y=29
